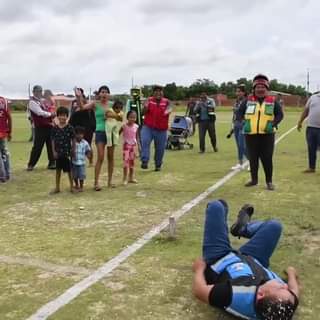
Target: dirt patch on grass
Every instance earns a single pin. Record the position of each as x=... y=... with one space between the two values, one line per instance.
x=50 y=268
x=311 y=242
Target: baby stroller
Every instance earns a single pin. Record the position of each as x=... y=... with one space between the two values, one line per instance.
x=180 y=130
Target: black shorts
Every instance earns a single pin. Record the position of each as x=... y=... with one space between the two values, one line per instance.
x=63 y=164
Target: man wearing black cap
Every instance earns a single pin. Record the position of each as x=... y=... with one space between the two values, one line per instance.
x=42 y=119
x=261 y=115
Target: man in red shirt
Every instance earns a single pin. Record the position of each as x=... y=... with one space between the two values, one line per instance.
x=5 y=135
x=156 y=117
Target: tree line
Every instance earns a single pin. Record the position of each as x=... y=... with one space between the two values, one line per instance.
x=176 y=92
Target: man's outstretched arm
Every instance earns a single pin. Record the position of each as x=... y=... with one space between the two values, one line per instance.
x=200 y=288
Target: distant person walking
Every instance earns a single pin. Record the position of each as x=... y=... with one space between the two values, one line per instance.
x=206 y=118
x=190 y=112
x=42 y=121
x=156 y=118
x=261 y=114
x=312 y=111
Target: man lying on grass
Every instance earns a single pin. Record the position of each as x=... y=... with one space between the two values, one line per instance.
x=240 y=282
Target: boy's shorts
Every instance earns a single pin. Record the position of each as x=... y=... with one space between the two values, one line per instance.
x=63 y=164
x=78 y=172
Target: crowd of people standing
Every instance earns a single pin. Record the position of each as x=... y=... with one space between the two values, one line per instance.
x=256 y=117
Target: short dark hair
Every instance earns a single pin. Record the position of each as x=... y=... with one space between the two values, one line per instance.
x=268 y=309
x=242 y=88
x=62 y=111
x=157 y=87
x=118 y=104
x=104 y=88
x=130 y=113
x=79 y=130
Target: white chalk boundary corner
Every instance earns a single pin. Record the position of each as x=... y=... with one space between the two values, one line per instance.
x=53 y=306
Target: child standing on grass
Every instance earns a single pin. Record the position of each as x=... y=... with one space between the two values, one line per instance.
x=114 y=117
x=82 y=150
x=130 y=141
x=63 y=146
x=5 y=135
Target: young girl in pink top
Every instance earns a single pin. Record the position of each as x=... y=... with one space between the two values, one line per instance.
x=130 y=141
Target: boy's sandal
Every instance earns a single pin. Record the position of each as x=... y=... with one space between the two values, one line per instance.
x=133 y=181
x=97 y=188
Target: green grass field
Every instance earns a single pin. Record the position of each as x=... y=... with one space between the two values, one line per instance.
x=48 y=243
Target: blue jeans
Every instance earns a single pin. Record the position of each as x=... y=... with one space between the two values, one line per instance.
x=263 y=236
x=313 y=141
x=160 y=140
x=4 y=160
x=240 y=141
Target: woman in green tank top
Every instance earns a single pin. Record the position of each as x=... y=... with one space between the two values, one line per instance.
x=100 y=108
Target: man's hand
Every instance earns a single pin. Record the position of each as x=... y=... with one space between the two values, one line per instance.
x=55 y=154
x=77 y=92
x=199 y=265
x=299 y=126
x=291 y=271
x=293 y=280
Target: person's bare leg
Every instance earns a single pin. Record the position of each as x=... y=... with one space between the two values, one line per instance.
x=70 y=182
x=81 y=186
x=99 y=162
x=58 y=178
x=125 y=176
x=131 y=176
x=110 y=154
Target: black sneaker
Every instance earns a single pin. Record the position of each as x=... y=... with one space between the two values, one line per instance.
x=157 y=169
x=244 y=216
x=144 y=165
x=251 y=184
x=270 y=186
x=51 y=166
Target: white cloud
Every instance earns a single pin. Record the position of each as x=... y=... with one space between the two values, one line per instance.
x=89 y=43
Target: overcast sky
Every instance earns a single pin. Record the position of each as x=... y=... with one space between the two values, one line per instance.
x=60 y=44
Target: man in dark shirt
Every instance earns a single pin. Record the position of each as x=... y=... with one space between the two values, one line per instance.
x=206 y=118
x=63 y=146
x=190 y=112
x=239 y=282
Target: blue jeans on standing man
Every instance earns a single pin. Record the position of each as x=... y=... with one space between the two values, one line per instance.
x=160 y=141
x=4 y=161
x=263 y=236
x=240 y=141
x=313 y=141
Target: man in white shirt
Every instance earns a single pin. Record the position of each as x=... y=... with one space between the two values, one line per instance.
x=312 y=111
x=42 y=119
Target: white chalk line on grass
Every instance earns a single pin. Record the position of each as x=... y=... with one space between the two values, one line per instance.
x=51 y=307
